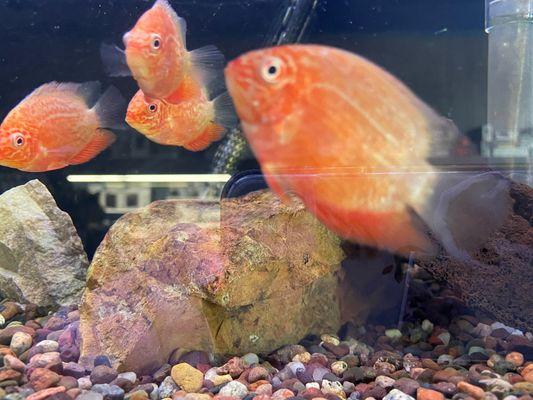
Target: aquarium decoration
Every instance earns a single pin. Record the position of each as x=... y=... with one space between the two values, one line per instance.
x=353 y=266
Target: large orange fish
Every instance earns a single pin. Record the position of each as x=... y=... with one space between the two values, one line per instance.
x=354 y=144
x=193 y=124
x=157 y=57
x=59 y=124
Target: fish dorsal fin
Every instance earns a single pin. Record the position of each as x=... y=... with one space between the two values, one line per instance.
x=101 y=141
x=180 y=23
x=88 y=91
x=211 y=134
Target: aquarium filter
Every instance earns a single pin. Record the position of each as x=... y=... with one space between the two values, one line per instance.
x=508 y=134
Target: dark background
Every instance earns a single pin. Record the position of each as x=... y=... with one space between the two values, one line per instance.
x=437 y=47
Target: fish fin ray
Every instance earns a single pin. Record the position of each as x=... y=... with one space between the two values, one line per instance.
x=211 y=134
x=88 y=91
x=101 y=141
x=225 y=114
x=466 y=209
x=114 y=60
x=444 y=135
x=110 y=109
x=208 y=64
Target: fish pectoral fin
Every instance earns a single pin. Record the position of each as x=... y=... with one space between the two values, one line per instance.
x=211 y=134
x=102 y=140
x=225 y=114
x=114 y=60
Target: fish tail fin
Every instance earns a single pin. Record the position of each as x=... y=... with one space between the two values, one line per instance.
x=101 y=141
x=211 y=134
x=111 y=109
x=225 y=114
x=114 y=60
x=466 y=209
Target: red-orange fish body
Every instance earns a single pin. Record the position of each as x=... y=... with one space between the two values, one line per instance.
x=55 y=127
x=194 y=122
x=156 y=55
x=349 y=139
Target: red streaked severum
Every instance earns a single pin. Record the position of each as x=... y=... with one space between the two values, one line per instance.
x=156 y=55
x=194 y=123
x=353 y=143
x=59 y=124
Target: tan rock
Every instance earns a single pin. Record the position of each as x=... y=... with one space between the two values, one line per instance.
x=186 y=377
x=177 y=275
x=42 y=259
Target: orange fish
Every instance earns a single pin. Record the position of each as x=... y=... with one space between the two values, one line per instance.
x=354 y=144
x=59 y=124
x=193 y=124
x=157 y=57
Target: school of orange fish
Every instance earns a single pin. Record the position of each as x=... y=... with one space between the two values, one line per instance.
x=344 y=135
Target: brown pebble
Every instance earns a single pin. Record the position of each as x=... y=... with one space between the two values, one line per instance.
x=428 y=363
x=474 y=391
x=529 y=377
x=311 y=393
x=73 y=393
x=43 y=394
x=428 y=394
x=14 y=363
x=139 y=395
x=9 y=374
x=42 y=378
x=68 y=382
x=445 y=375
x=11 y=309
x=446 y=388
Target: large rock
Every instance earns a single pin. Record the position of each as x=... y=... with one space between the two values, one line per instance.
x=41 y=256
x=176 y=275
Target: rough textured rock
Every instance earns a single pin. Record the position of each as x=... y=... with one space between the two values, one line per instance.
x=175 y=274
x=498 y=278
x=42 y=259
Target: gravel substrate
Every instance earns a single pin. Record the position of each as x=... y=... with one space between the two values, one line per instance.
x=441 y=351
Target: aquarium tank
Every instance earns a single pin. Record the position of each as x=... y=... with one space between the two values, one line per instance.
x=266 y=199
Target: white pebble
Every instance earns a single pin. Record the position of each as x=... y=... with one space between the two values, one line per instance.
x=20 y=342
x=384 y=381
x=393 y=334
x=47 y=346
x=84 y=383
x=129 y=376
x=427 y=326
x=234 y=388
x=396 y=394
x=313 y=385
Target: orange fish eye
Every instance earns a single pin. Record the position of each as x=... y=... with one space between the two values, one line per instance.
x=17 y=140
x=156 y=41
x=152 y=107
x=271 y=69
